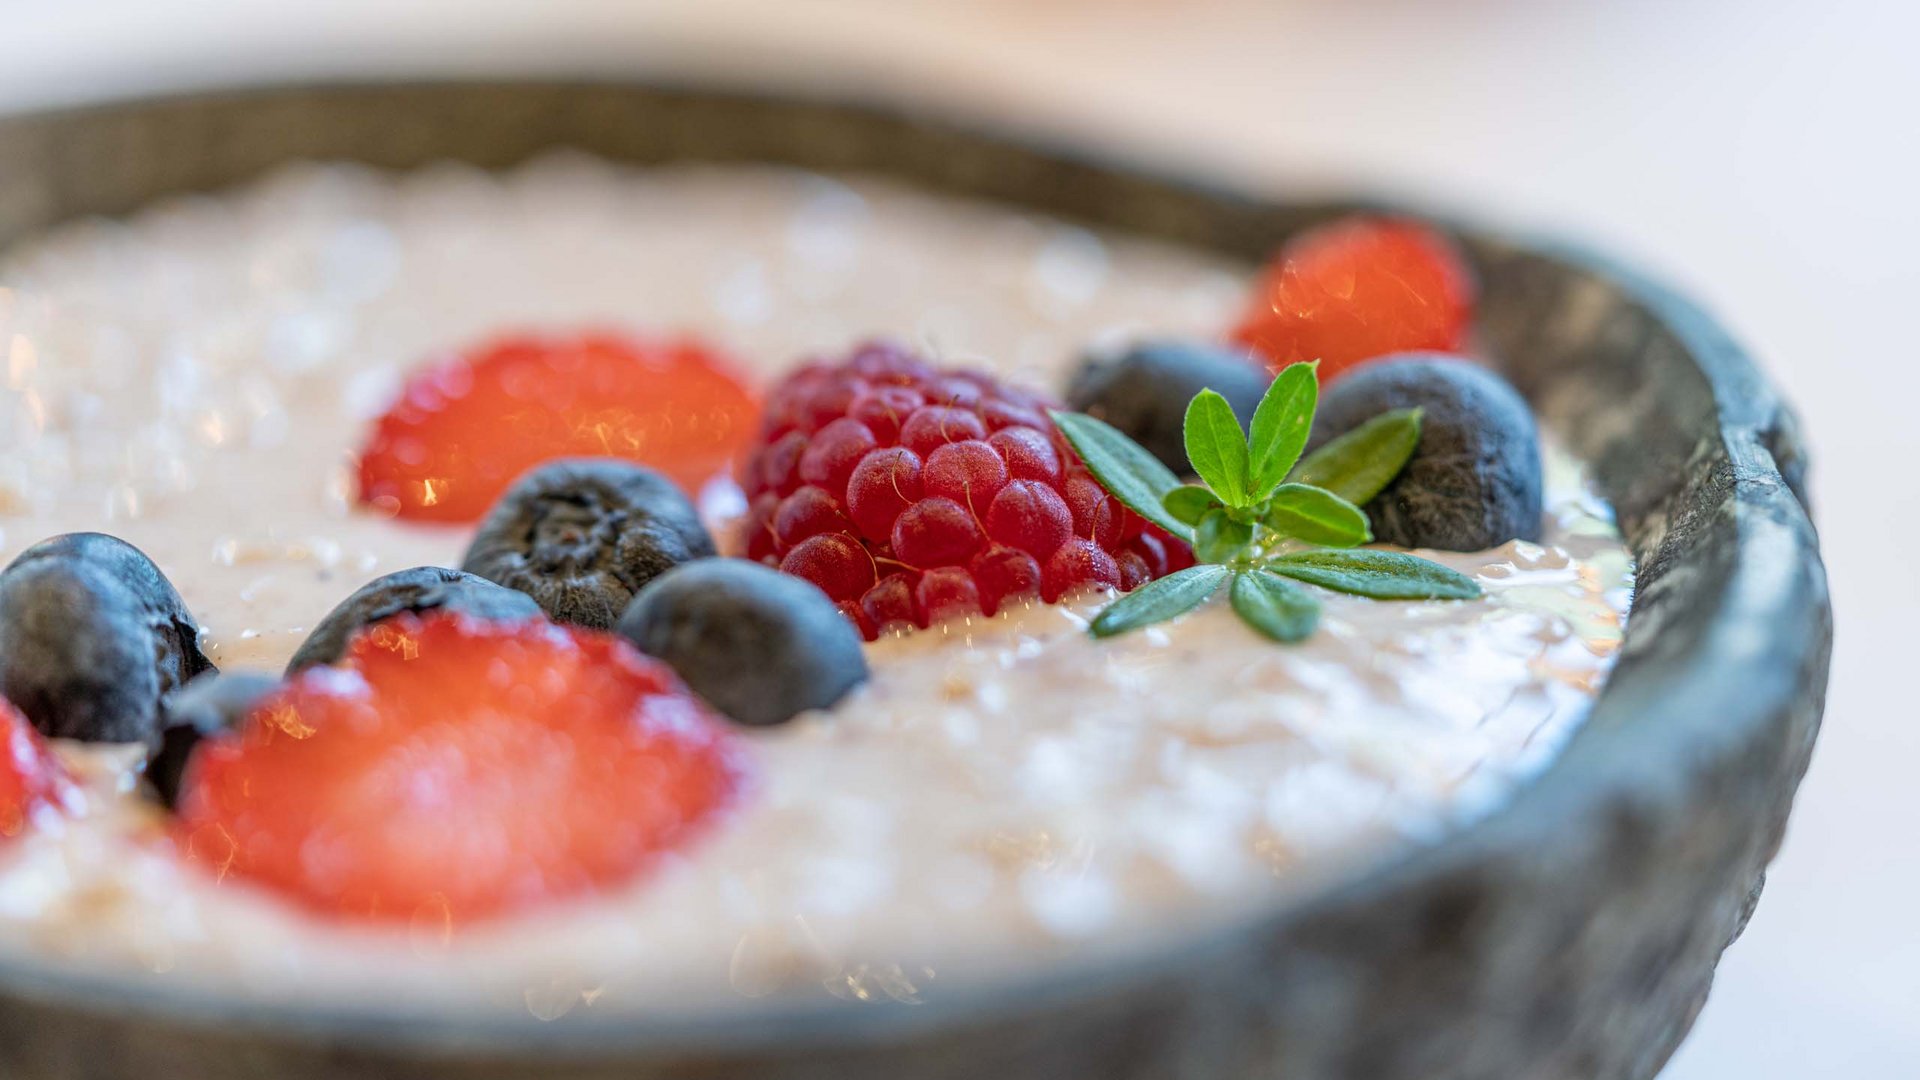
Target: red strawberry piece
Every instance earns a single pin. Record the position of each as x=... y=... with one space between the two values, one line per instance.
x=960 y=496
x=456 y=768
x=1356 y=289
x=35 y=786
x=465 y=427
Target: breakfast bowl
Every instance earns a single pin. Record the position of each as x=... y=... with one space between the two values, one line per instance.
x=1571 y=930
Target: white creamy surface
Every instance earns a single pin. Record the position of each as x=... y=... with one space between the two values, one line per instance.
x=1003 y=793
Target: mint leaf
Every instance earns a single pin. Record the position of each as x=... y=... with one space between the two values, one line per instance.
x=1281 y=611
x=1217 y=447
x=1218 y=538
x=1316 y=516
x=1189 y=503
x=1158 y=601
x=1357 y=465
x=1381 y=575
x=1123 y=467
x=1281 y=425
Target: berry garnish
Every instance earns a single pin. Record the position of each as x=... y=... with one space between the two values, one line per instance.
x=758 y=645
x=1356 y=289
x=421 y=589
x=456 y=768
x=581 y=537
x=91 y=636
x=1260 y=515
x=1473 y=481
x=911 y=494
x=34 y=785
x=465 y=427
x=1144 y=389
x=210 y=705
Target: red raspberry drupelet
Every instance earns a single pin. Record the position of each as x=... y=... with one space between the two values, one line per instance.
x=913 y=494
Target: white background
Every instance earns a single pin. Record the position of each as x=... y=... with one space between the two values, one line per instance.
x=1762 y=153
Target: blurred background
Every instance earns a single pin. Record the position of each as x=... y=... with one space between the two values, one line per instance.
x=1759 y=153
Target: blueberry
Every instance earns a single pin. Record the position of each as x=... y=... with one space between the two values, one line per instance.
x=92 y=635
x=759 y=645
x=582 y=536
x=1144 y=391
x=1474 y=480
x=205 y=707
x=423 y=588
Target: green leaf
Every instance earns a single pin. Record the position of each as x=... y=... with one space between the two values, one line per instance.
x=1357 y=465
x=1317 y=516
x=1281 y=611
x=1189 y=503
x=1123 y=467
x=1217 y=447
x=1158 y=601
x=1218 y=538
x=1281 y=425
x=1381 y=575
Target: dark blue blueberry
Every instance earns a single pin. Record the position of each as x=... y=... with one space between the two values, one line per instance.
x=205 y=707
x=1145 y=389
x=423 y=588
x=759 y=645
x=582 y=536
x=92 y=635
x=1474 y=480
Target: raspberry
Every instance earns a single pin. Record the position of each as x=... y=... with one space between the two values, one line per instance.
x=456 y=769
x=34 y=785
x=912 y=494
x=1356 y=289
x=466 y=427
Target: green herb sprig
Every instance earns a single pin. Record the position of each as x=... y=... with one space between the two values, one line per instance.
x=1261 y=515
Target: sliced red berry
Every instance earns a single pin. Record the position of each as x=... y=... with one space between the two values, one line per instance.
x=466 y=427
x=35 y=786
x=1357 y=289
x=963 y=496
x=457 y=768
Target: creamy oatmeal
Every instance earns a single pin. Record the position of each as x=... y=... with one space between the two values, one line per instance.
x=1004 y=792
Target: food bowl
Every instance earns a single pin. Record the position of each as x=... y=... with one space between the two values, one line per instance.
x=1572 y=933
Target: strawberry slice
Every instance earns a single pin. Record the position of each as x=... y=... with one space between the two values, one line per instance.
x=458 y=768
x=1356 y=289
x=34 y=785
x=464 y=428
